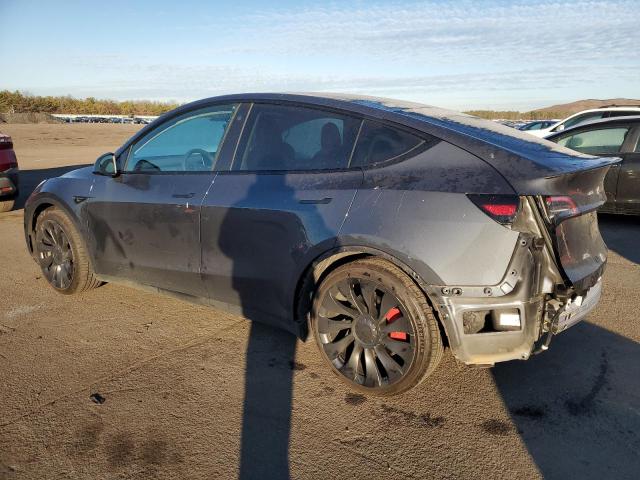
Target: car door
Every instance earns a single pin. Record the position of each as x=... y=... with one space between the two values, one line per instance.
x=628 y=188
x=280 y=204
x=602 y=141
x=144 y=223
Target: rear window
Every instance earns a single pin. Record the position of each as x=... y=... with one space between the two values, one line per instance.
x=378 y=143
x=604 y=140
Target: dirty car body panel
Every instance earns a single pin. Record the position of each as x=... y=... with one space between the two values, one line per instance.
x=496 y=227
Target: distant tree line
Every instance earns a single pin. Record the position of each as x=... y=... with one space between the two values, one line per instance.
x=19 y=102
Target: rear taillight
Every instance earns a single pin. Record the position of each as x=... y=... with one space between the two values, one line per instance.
x=502 y=208
x=5 y=142
x=559 y=207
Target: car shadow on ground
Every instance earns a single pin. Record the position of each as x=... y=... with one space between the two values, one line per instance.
x=577 y=406
x=29 y=180
x=621 y=233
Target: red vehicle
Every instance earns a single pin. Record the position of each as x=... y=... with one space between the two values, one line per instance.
x=8 y=174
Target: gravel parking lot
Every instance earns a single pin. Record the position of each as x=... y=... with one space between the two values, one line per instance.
x=119 y=383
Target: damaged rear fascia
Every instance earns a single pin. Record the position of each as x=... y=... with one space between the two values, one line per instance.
x=529 y=282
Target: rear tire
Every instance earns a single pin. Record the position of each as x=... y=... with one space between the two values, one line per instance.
x=61 y=254
x=6 y=205
x=375 y=328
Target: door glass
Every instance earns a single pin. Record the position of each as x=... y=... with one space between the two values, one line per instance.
x=296 y=138
x=580 y=119
x=606 y=140
x=378 y=143
x=623 y=113
x=186 y=143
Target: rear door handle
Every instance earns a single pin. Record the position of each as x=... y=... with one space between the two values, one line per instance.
x=315 y=201
x=183 y=195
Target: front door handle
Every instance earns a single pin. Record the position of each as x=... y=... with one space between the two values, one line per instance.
x=183 y=195
x=315 y=201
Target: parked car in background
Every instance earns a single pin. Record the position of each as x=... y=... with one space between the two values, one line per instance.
x=586 y=116
x=8 y=173
x=612 y=137
x=537 y=125
x=387 y=228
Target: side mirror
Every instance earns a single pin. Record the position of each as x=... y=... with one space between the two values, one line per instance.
x=106 y=165
x=560 y=127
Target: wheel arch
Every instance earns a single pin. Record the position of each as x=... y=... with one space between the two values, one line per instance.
x=36 y=209
x=327 y=262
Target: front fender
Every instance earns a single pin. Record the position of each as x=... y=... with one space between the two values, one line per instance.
x=66 y=194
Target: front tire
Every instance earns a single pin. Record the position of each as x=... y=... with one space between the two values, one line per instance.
x=374 y=328
x=61 y=254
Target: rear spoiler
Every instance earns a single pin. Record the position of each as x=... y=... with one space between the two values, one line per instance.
x=584 y=182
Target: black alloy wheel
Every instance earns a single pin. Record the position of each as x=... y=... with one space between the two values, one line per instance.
x=369 y=321
x=55 y=254
x=60 y=251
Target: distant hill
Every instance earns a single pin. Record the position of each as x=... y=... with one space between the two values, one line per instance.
x=559 y=111
x=578 y=106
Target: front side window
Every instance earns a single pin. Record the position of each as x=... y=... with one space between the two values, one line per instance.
x=189 y=142
x=379 y=143
x=279 y=137
x=605 y=140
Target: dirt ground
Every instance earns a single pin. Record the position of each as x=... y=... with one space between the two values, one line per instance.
x=191 y=392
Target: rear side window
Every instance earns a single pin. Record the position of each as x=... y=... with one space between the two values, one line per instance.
x=378 y=143
x=584 y=118
x=605 y=140
x=279 y=137
x=623 y=113
x=535 y=126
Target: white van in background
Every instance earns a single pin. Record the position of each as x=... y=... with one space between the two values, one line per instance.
x=586 y=116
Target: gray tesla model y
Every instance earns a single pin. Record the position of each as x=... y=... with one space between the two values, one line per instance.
x=385 y=229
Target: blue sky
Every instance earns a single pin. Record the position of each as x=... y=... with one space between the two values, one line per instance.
x=461 y=55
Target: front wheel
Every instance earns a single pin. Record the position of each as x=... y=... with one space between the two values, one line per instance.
x=374 y=327
x=61 y=253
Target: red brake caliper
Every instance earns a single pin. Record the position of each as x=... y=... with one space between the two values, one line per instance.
x=390 y=317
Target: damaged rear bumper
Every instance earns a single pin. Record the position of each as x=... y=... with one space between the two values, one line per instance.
x=507 y=321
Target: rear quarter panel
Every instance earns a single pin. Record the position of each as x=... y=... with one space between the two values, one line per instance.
x=417 y=211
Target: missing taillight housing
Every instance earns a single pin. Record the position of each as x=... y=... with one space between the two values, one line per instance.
x=501 y=208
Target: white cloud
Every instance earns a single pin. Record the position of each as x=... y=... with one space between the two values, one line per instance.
x=453 y=32
x=464 y=54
